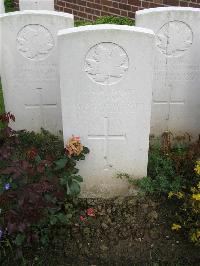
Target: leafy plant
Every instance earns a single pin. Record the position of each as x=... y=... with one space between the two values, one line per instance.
x=114 y=20
x=106 y=20
x=37 y=180
x=170 y=165
x=186 y=218
x=9 y=6
x=174 y=172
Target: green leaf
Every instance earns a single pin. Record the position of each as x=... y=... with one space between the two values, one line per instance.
x=60 y=164
x=62 y=218
x=65 y=179
x=78 y=178
x=74 y=188
x=74 y=171
x=53 y=220
x=38 y=159
x=44 y=239
x=19 y=239
x=86 y=150
x=69 y=216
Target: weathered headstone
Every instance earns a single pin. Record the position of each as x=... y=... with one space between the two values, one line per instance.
x=36 y=5
x=29 y=68
x=176 y=83
x=2 y=7
x=106 y=74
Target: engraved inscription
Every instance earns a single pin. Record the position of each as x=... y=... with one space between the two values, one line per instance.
x=174 y=38
x=35 y=42
x=106 y=63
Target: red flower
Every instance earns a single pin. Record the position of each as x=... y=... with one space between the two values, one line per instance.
x=90 y=212
x=6 y=117
x=82 y=218
x=32 y=153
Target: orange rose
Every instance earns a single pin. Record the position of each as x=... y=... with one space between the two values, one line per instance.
x=74 y=146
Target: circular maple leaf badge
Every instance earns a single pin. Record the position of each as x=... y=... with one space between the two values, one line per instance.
x=106 y=63
x=174 y=38
x=35 y=42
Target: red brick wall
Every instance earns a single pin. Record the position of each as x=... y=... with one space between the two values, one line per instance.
x=92 y=9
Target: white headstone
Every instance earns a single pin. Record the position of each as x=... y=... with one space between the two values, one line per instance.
x=176 y=86
x=106 y=74
x=2 y=7
x=36 y=5
x=29 y=68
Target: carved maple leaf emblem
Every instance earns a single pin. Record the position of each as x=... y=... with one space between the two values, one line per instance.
x=106 y=63
x=35 y=42
x=174 y=38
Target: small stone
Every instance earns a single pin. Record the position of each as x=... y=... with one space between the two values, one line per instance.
x=153 y=216
x=103 y=247
x=104 y=226
x=109 y=210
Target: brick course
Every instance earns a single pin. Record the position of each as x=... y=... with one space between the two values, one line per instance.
x=92 y=9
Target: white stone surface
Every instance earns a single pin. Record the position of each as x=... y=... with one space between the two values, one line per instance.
x=176 y=93
x=36 y=5
x=29 y=68
x=106 y=76
x=2 y=7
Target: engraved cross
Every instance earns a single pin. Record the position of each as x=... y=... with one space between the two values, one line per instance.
x=106 y=137
x=169 y=103
x=41 y=107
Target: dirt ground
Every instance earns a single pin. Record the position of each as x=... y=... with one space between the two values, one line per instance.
x=124 y=231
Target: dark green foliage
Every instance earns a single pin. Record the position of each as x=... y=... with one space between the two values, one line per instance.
x=114 y=20
x=9 y=5
x=45 y=142
x=170 y=171
x=107 y=20
x=38 y=179
x=79 y=23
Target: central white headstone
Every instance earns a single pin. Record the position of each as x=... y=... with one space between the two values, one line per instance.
x=2 y=7
x=106 y=74
x=29 y=68
x=176 y=86
x=36 y=5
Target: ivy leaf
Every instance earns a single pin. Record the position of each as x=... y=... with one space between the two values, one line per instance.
x=86 y=150
x=60 y=164
x=62 y=218
x=53 y=220
x=74 y=187
x=38 y=159
x=19 y=239
x=74 y=171
x=65 y=179
x=78 y=178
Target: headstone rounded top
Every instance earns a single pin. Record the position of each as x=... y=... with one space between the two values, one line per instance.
x=105 y=27
x=37 y=12
x=166 y=9
x=36 y=4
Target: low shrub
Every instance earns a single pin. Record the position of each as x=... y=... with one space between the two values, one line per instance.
x=170 y=165
x=107 y=20
x=9 y=6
